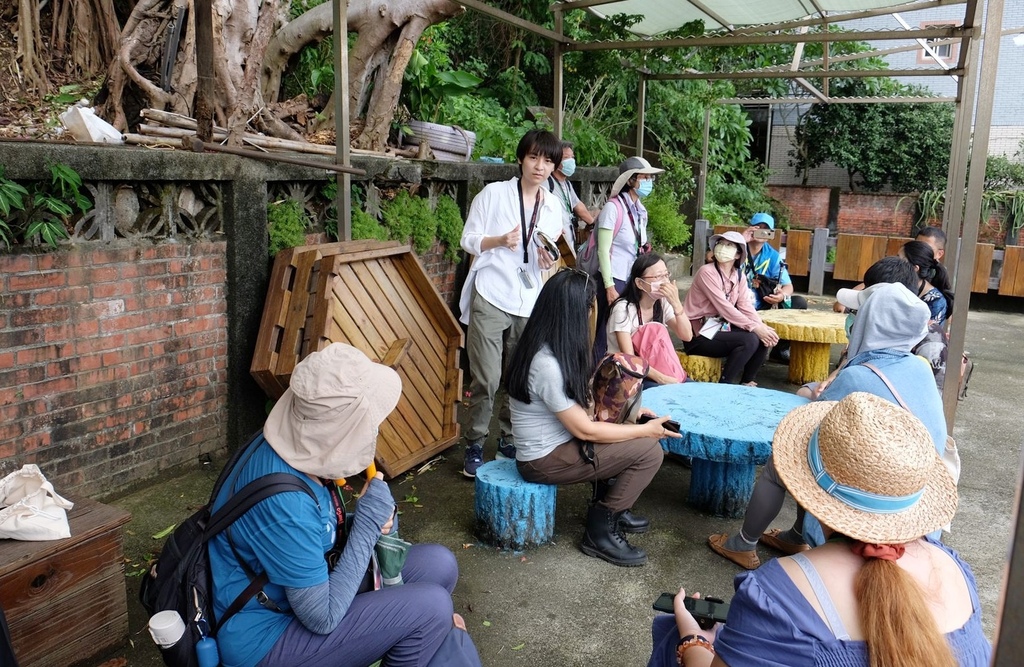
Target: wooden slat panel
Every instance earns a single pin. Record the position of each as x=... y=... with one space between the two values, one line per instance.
x=1011 y=279
x=426 y=294
x=295 y=323
x=275 y=313
x=798 y=252
x=982 y=267
x=408 y=307
x=855 y=253
x=894 y=244
x=380 y=332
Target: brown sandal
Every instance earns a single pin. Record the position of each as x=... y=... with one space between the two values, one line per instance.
x=745 y=559
x=770 y=538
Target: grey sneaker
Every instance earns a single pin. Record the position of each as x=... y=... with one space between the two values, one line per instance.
x=474 y=459
x=506 y=449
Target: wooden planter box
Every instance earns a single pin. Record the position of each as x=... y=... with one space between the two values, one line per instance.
x=374 y=296
x=65 y=599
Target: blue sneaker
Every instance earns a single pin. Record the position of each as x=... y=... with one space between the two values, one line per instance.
x=474 y=459
x=506 y=449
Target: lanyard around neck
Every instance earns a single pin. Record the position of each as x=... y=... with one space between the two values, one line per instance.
x=528 y=233
x=727 y=292
x=628 y=205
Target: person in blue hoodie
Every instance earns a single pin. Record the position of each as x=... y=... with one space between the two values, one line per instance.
x=890 y=321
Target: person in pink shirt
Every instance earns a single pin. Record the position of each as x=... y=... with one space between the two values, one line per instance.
x=724 y=321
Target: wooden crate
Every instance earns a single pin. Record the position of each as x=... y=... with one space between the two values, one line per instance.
x=377 y=297
x=286 y=311
x=65 y=599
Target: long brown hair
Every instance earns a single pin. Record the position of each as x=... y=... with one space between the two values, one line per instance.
x=898 y=628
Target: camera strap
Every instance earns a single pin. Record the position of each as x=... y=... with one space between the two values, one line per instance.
x=527 y=233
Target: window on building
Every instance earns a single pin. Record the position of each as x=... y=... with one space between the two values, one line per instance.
x=948 y=52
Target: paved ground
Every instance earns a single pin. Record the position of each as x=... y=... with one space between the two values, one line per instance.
x=555 y=606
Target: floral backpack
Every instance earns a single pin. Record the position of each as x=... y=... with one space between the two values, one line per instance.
x=618 y=384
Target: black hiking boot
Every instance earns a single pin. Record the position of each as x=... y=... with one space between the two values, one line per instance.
x=603 y=540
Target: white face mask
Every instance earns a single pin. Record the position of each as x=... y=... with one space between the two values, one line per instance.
x=725 y=252
x=656 y=285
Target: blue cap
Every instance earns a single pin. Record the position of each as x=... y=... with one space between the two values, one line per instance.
x=763 y=218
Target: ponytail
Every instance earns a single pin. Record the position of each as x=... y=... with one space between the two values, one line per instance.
x=897 y=625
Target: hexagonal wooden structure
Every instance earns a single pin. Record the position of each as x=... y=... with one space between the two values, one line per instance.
x=374 y=296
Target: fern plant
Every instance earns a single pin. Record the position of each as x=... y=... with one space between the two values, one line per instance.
x=449 y=226
x=286 y=224
x=12 y=197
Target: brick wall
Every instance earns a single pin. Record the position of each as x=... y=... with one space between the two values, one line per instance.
x=808 y=206
x=876 y=214
x=113 y=361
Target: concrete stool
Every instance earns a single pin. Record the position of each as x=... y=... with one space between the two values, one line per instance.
x=701 y=369
x=512 y=513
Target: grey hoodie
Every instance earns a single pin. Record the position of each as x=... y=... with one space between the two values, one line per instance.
x=892 y=317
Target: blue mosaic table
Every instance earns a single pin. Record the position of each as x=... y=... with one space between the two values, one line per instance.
x=727 y=430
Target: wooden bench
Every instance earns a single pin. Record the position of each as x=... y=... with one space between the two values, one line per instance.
x=701 y=369
x=512 y=513
x=65 y=599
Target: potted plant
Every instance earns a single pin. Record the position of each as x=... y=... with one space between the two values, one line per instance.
x=426 y=87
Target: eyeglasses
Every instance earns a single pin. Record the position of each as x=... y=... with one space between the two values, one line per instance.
x=659 y=276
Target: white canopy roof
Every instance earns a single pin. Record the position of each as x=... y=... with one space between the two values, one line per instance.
x=664 y=15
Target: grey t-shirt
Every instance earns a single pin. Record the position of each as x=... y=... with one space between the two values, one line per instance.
x=535 y=425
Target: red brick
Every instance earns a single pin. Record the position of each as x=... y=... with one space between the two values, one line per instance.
x=35 y=355
x=107 y=342
x=36 y=281
x=11 y=264
x=48 y=387
x=119 y=288
x=87 y=329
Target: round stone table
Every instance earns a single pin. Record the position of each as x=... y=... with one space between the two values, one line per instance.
x=727 y=429
x=812 y=333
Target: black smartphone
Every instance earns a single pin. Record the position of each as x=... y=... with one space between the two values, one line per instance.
x=669 y=424
x=707 y=611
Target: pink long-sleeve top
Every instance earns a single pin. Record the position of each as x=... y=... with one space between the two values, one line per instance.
x=715 y=294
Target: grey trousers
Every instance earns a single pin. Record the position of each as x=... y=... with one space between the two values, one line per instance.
x=491 y=337
x=633 y=462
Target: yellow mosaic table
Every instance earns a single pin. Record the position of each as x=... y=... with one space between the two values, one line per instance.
x=812 y=333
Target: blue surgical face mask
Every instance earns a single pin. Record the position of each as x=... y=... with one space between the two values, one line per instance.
x=568 y=167
x=645 y=187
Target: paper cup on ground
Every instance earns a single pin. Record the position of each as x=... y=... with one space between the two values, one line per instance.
x=166 y=627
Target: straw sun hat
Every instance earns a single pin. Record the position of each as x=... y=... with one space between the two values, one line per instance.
x=325 y=424
x=888 y=484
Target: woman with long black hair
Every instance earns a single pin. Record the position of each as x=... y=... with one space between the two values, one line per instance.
x=557 y=442
x=936 y=288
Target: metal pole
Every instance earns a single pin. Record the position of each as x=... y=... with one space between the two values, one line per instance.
x=972 y=210
x=702 y=181
x=556 y=100
x=343 y=198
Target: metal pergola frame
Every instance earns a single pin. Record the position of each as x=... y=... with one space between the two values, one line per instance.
x=975 y=73
x=964 y=187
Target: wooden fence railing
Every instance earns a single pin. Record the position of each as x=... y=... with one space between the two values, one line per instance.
x=806 y=253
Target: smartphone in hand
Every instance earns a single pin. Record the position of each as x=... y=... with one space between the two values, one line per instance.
x=669 y=424
x=707 y=611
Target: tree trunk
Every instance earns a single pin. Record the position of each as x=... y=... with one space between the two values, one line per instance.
x=30 y=46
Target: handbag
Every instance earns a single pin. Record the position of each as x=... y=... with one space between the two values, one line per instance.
x=31 y=509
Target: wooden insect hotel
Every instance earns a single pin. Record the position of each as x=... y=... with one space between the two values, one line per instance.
x=374 y=296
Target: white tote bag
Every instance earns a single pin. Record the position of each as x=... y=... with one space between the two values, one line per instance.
x=30 y=509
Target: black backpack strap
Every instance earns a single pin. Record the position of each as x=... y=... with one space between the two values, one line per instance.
x=238 y=504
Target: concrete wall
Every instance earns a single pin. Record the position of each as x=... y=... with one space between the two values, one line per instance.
x=126 y=352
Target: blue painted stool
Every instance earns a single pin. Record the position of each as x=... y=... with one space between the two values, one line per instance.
x=727 y=430
x=512 y=513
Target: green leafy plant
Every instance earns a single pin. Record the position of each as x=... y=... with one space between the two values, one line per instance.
x=12 y=198
x=429 y=81
x=449 y=226
x=406 y=216
x=666 y=225
x=286 y=224
x=53 y=204
x=365 y=226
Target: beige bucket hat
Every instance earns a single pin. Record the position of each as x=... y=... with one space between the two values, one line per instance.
x=326 y=422
x=629 y=168
x=866 y=468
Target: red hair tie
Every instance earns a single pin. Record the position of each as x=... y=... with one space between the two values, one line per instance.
x=880 y=551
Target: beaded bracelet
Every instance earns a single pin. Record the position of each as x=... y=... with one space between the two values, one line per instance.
x=688 y=642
